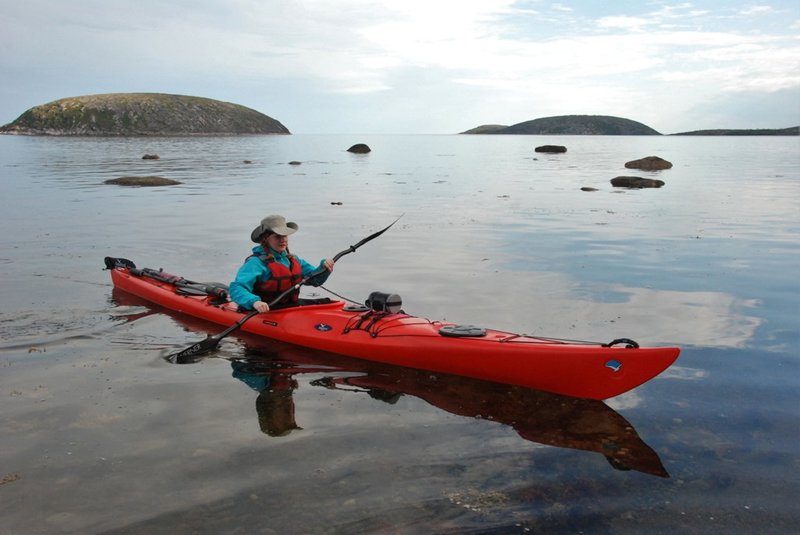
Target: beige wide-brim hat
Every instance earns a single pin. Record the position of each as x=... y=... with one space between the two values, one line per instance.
x=273 y=223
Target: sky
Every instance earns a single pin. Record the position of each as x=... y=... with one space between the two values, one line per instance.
x=417 y=66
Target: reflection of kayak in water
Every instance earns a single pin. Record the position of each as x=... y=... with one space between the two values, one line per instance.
x=270 y=368
x=537 y=416
x=589 y=370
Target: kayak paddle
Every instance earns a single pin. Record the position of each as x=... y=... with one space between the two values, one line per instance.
x=211 y=342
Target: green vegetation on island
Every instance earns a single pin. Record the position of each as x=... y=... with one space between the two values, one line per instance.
x=141 y=114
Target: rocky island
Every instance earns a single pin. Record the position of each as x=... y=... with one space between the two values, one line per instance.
x=141 y=114
x=606 y=125
x=598 y=125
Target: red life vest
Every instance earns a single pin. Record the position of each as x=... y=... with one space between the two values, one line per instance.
x=281 y=279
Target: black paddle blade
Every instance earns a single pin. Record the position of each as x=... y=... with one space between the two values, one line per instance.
x=352 y=248
x=193 y=353
x=112 y=262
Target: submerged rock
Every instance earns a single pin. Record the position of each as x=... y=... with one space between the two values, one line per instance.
x=142 y=181
x=635 y=182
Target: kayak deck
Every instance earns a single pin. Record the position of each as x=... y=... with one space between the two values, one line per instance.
x=596 y=371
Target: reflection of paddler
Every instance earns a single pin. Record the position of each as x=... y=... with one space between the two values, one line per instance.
x=274 y=404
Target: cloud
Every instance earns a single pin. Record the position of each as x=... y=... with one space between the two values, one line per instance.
x=624 y=22
x=561 y=7
x=756 y=10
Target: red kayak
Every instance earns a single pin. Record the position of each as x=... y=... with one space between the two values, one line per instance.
x=386 y=334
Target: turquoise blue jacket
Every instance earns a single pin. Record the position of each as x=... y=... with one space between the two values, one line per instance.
x=254 y=271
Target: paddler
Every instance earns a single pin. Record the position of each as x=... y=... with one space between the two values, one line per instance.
x=271 y=269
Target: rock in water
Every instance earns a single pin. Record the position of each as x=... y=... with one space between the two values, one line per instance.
x=635 y=182
x=649 y=163
x=146 y=181
x=359 y=148
x=551 y=149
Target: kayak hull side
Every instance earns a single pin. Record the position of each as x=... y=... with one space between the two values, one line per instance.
x=573 y=369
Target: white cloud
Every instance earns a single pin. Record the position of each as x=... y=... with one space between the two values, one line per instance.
x=756 y=10
x=624 y=22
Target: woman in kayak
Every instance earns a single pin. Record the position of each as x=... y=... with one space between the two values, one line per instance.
x=272 y=269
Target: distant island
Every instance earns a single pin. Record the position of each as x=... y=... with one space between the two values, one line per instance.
x=486 y=129
x=588 y=125
x=141 y=114
x=606 y=125
x=793 y=131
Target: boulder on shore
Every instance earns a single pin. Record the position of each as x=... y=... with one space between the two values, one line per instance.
x=649 y=163
x=635 y=182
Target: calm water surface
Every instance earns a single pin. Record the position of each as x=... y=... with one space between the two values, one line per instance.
x=99 y=434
